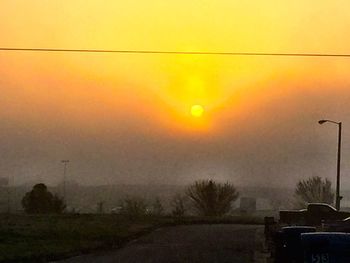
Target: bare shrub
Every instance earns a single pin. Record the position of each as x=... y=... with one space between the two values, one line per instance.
x=210 y=198
x=133 y=207
x=178 y=205
x=157 y=208
x=314 y=190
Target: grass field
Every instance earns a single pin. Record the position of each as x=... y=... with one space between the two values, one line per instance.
x=43 y=238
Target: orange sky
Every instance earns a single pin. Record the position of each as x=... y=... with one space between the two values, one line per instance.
x=153 y=94
x=173 y=83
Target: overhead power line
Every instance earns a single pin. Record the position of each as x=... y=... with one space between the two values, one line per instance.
x=175 y=52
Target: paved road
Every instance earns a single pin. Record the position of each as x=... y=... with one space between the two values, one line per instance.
x=184 y=244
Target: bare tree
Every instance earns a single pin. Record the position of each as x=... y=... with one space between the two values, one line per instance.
x=314 y=190
x=157 y=207
x=178 y=204
x=133 y=207
x=210 y=198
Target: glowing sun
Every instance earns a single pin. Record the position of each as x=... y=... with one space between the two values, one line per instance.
x=197 y=110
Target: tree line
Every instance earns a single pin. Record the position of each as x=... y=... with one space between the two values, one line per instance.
x=204 y=197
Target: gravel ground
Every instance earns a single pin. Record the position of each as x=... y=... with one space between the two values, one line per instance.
x=192 y=244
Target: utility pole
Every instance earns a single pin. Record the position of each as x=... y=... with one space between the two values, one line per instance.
x=338 y=197
x=8 y=197
x=337 y=191
x=65 y=163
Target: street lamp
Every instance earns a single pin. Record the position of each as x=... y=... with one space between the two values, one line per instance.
x=65 y=163
x=337 y=194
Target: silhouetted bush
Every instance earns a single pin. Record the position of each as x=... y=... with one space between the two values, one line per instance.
x=157 y=208
x=313 y=190
x=210 y=198
x=40 y=201
x=133 y=207
x=178 y=205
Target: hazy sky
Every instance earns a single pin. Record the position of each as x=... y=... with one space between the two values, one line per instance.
x=125 y=118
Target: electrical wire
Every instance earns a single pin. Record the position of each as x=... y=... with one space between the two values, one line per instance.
x=344 y=55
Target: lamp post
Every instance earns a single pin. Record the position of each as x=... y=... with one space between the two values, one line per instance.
x=65 y=163
x=337 y=193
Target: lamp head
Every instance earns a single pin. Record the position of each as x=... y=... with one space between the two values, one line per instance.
x=322 y=121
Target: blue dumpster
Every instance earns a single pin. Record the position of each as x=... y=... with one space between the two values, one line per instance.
x=326 y=247
x=288 y=244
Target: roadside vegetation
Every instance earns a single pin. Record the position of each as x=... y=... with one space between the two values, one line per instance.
x=47 y=232
x=179 y=205
x=40 y=201
x=35 y=238
x=313 y=190
x=210 y=198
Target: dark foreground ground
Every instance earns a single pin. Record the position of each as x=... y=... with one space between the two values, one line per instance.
x=45 y=238
x=192 y=243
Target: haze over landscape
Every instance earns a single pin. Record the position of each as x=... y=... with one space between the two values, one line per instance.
x=126 y=118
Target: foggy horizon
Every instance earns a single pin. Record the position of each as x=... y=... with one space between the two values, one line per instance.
x=279 y=155
x=125 y=118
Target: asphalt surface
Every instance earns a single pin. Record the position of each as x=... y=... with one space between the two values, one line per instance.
x=185 y=244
